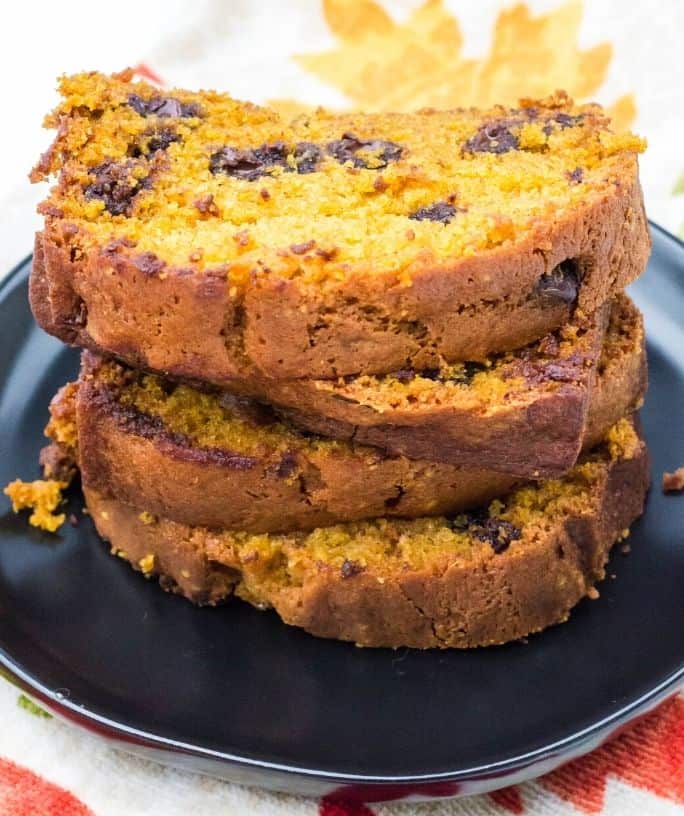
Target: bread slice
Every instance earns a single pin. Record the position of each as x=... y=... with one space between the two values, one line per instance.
x=473 y=580
x=210 y=239
x=521 y=412
x=205 y=459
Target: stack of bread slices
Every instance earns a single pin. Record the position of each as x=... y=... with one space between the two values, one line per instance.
x=376 y=372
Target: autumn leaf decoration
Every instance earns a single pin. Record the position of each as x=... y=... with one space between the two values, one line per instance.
x=381 y=65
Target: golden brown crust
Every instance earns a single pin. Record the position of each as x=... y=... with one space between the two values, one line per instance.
x=530 y=431
x=540 y=438
x=488 y=601
x=533 y=432
x=124 y=457
x=188 y=324
x=538 y=435
x=127 y=458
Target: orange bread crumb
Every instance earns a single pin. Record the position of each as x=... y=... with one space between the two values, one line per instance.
x=43 y=496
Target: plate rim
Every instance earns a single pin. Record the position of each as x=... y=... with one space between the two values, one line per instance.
x=560 y=751
x=595 y=732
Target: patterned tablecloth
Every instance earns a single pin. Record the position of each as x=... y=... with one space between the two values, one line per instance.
x=371 y=55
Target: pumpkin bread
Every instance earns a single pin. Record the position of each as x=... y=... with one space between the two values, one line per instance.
x=214 y=460
x=210 y=239
x=516 y=567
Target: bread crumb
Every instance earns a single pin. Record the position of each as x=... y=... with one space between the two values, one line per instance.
x=42 y=496
x=146 y=564
x=147 y=518
x=593 y=594
x=673 y=482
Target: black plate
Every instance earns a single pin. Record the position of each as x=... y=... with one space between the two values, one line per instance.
x=234 y=692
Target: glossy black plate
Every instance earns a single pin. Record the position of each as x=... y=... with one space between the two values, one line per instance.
x=235 y=693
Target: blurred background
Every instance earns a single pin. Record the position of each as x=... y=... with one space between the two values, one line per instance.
x=364 y=54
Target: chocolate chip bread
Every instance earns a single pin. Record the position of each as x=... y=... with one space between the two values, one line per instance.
x=209 y=239
x=522 y=412
x=479 y=579
x=223 y=462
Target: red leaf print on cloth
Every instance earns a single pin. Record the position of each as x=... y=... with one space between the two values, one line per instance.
x=334 y=807
x=23 y=793
x=509 y=799
x=350 y=800
x=143 y=70
x=649 y=756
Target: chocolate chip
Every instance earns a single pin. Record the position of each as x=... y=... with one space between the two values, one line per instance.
x=498 y=534
x=560 y=284
x=161 y=139
x=493 y=137
x=563 y=120
x=460 y=523
x=465 y=373
x=149 y=264
x=407 y=375
x=248 y=410
x=307 y=155
x=163 y=106
x=441 y=211
x=495 y=531
x=404 y=375
x=350 y=568
x=393 y=502
x=287 y=465
x=576 y=176
x=375 y=153
x=115 y=185
x=252 y=163
x=567 y=121
x=248 y=164
x=152 y=141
